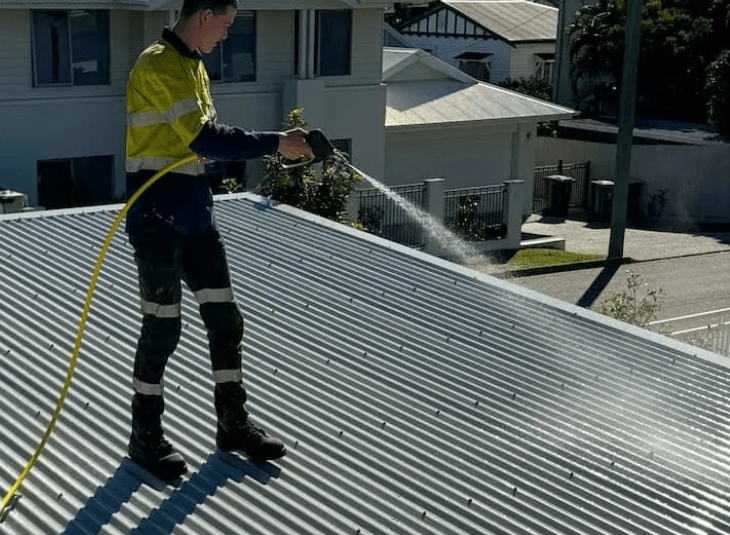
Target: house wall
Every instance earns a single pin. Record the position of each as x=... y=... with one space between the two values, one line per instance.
x=446 y=48
x=696 y=178
x=69 y=122
x=464 y=157
x=523 y=58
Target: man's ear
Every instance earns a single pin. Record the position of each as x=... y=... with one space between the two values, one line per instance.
x=204 y=16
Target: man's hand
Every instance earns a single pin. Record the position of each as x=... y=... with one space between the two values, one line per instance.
x=292 y=144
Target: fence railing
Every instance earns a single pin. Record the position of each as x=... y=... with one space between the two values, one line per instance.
x=476 y=214
x=709 y=330
x=384 y=217
x=579 y=195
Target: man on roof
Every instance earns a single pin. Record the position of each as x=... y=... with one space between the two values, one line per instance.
x=170 y=115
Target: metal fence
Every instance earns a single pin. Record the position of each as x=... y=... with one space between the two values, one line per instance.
x=579 y=195
x=709 y=330
x=476 y=214
x=385 y=217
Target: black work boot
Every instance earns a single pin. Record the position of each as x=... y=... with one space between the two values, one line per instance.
x=147 y=445
x=235 y=430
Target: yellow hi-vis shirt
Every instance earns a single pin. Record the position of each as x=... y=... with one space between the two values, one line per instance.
x=168 y=102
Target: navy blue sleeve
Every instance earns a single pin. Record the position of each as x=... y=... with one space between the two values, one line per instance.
x=230 y=143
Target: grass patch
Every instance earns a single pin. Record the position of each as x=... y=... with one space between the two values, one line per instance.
x=532 y=258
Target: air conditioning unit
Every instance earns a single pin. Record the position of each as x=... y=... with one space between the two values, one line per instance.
x=12 y=201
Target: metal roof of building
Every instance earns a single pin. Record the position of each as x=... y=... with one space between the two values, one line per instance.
x=451 y=96
x=415 y=396
x=513 y=20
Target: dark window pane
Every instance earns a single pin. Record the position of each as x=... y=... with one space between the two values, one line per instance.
x=234 y=60
x=333 y=45
x=51 y=48
x=212 y=61
x=75 y=182
x=239 y=50
x=90 y=46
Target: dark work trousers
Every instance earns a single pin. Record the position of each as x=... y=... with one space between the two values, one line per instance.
x=164 y=260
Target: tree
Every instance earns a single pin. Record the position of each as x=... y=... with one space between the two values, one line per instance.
x=718 y=90
x=532 y=86
x=679 y=41
x=325 y=195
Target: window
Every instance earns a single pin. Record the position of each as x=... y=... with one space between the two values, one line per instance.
x=234 y=60
x=544 y=65
x=75 y=182
x=475 y=64
x=70 y=47
x=332 y=48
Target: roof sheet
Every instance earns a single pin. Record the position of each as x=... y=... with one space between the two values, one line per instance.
x=455 y=98
x=513 y=20
x=415 y=396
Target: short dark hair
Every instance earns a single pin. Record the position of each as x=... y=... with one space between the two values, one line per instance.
x=190 y=7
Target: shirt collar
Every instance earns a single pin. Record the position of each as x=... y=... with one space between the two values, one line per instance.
x=177 y=43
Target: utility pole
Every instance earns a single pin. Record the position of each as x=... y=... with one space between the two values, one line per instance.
x=627 y=110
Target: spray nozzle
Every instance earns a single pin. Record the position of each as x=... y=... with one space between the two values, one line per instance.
x=322 y=149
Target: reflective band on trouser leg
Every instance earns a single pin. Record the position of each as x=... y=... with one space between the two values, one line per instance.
x=160 y=311
x=140 y=387
x=214 y=295
x=227 y=376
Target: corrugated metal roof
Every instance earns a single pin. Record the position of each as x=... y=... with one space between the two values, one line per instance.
x=415 y=396
x=513 y=20
x=456 y=98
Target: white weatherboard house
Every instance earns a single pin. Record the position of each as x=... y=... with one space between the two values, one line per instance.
x=492 y=40
x=442 y=123
x=65 y=64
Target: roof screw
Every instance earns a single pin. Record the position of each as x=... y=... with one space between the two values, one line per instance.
x=514 y=491
x=340 y=434
x=476 y=403
x=400 y=348
x=481 y=332
x=87 y=405
x=571 y=475
x=514 y=395
x=38 y=414
x=276 y=370
x=468 y=502
x=364 y=353
x=438 y=411
x=357 y=531
x=673 y=360
x=306 y=305
x=423 y=515
x=177 y=388
x=60 y=495
x=382 y=426
x=328 y=361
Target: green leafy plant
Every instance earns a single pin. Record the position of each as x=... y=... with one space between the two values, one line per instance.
x=631 y=305
x=324 y=193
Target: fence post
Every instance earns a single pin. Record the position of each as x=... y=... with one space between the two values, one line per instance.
x=434 y=205
x=513 y=212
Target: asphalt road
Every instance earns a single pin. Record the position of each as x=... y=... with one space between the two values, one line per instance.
x=690 y=285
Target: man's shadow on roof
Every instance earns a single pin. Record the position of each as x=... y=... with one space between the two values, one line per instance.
x=109 y=499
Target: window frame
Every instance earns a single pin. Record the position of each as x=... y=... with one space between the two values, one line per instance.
x=105 y=78
x=221 y=47
x=317 y=44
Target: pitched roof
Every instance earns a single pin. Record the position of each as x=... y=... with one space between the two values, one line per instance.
x=424 y=90
x=514 y=21
x=415 y=396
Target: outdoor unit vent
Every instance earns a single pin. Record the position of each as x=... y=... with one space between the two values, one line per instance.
x=12 y=201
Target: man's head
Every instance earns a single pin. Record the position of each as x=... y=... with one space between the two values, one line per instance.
x=204 y=23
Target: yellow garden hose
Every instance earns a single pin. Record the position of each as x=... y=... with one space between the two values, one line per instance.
x=10 y=497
